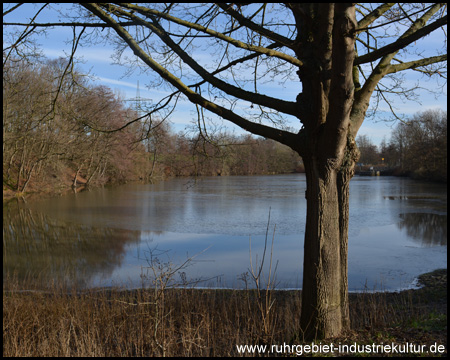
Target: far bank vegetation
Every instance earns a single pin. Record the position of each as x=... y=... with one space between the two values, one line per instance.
x=59 y=131
x=417 y=148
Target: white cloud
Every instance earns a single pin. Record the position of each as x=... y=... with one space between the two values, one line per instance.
x=53 y=53
x=116 y=82
x=99 y=55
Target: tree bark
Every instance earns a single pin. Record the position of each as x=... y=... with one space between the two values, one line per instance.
x=329 y=158
x=325 y=311
x=321 y=315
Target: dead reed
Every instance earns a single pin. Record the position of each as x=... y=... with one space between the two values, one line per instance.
x=195 y=322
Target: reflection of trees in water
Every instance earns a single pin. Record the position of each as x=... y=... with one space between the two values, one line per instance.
x=428 y=229
x=43 y=250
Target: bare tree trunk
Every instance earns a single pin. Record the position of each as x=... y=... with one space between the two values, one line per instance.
x=343 y=185
x=28 y=177
x=153 y=166
x=74 y=182
x=325 y=311
x=88 y=180
x=321 y=315
x=329 y=156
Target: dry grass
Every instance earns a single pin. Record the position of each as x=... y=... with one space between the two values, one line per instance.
x=188 y=322
x=130 y=323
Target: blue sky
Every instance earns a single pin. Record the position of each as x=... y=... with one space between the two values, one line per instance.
x=98 y=61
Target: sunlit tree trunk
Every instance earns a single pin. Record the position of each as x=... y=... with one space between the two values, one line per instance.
x=325 y=311
x=329 y=158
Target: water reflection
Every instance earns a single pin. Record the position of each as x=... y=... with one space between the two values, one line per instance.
x=425 y=228
x=45 y=250
x=99 y=238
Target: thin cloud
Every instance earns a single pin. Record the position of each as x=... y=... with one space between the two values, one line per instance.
x=116 y=82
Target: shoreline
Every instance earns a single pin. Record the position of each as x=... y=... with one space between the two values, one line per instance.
x=9 y=194
x=422 y=281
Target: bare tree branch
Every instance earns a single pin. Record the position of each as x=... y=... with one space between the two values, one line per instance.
x=66 y=24
x=259 y=129
x=12 y=9
x=277 y=104
x=260 y=49
x=373 y=16
x=418 y=63
x=387 y=53
x=402 y=42
x=251 y=25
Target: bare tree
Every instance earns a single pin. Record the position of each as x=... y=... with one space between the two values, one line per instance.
x=342 y=54
x=368 y=150
x=29 y=121
x=45 y=130
x=421 y=144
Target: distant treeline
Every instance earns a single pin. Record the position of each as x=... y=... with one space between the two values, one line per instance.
x=417 y=147
x=59 y=130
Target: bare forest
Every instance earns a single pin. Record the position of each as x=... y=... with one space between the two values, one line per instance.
x=417 y=147
x=49 y=146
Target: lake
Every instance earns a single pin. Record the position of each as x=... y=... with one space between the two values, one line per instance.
x=110 y=236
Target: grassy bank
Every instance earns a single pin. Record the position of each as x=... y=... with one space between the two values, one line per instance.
x=186 y=322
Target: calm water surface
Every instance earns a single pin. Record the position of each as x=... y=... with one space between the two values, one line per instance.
x=104 y=237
